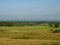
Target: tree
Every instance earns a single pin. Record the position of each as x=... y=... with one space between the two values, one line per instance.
x=56 y=25
x=55 y=28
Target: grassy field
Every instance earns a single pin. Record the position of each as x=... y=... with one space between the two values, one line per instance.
x=25 y=28
x=28 y=35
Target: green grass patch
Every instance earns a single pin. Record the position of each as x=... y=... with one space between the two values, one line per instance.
x=26 y=28
x=24 y=37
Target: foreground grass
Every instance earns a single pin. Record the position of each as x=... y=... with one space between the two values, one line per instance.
x=6 y=41
x=29 y=35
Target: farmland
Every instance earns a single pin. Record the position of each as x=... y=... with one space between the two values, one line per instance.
x=28 y=35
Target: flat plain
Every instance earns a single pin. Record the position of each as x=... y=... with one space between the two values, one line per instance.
x=28 y=35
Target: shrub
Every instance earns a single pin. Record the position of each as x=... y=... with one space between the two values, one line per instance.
x=56 y=25
x=55 y=31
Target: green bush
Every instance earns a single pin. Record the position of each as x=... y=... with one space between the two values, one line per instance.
x=56 y=25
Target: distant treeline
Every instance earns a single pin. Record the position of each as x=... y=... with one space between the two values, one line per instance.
x=24 y=23
x=19 y=23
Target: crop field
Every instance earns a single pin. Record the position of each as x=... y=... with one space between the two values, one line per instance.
x=28 y=35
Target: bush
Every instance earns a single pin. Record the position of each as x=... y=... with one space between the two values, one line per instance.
x=55 y=31
x=56 y=25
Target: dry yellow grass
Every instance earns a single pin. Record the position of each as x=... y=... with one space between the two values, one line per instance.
x=31 y=34
x=6 y=41
x=31 y=37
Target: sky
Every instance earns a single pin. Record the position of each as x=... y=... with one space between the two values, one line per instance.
x=41 y=10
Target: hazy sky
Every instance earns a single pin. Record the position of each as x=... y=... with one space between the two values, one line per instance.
x=30 y=10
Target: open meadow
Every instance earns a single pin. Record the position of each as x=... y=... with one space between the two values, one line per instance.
x=29 y=22
x=28 y=35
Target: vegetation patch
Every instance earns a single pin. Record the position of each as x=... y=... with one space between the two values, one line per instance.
x=24 y=37
x=55 y=31
x=3 y=30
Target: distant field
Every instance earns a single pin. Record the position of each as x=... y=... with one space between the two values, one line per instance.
x=25 y=28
